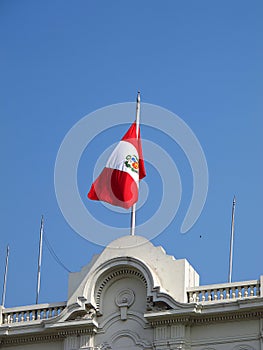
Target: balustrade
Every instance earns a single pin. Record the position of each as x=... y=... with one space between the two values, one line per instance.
x=221 y=292
x=31 y=313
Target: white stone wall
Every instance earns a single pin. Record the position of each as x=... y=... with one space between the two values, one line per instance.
x=122 y=308
x=134 y=296
x=243 y=335
x=226 y=335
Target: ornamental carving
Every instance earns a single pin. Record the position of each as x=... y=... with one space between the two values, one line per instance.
x=117 y=274
x=124 y=299
x=156 y=306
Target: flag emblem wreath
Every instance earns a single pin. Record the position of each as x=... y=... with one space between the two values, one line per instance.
x=132 y=162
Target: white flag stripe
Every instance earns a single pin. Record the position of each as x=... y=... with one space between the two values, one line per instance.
x=118 y=158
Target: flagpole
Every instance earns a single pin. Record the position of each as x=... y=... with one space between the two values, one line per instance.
x=232 y=240
x=5 y=276
x=133 y=212
x=39 y=258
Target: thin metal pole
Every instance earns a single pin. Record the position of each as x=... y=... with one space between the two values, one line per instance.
x=5 y=276
x=232 y=240
x=39 y=258
x=133 y=212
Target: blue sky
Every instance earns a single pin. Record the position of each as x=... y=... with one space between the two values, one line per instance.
x=61 y=60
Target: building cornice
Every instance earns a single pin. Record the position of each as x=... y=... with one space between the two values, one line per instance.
x=51 y=333
x=159 y=319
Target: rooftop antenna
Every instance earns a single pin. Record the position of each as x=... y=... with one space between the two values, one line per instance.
x=5 y=276
x=39 y=258
x=133 y=211
x=232 y=240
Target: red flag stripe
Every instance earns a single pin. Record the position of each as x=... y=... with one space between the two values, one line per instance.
x=118 y=182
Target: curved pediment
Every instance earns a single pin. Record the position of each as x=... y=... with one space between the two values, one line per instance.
x=162 y=272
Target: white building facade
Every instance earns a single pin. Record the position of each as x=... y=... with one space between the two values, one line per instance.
x=133 y=296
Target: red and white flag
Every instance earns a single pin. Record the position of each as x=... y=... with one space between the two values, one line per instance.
x=118 y=183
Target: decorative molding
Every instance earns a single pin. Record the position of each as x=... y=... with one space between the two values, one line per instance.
x=156 y=306
x=121 y=272
x=78 y=315
x=203 y=319
x=115 y=317
x=31 y=339
x=124 y=299
x=39 y=338
x=145 y=344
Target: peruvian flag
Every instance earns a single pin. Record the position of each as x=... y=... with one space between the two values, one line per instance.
x=118 y=183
